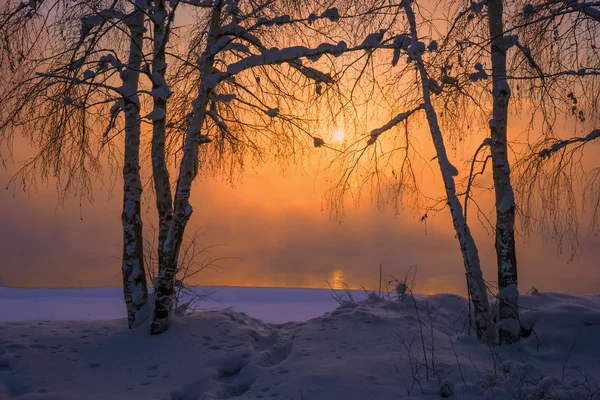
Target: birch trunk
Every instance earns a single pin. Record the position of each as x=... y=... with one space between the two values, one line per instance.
x=484 y=323
x=187 y=172
x=160 y=172
x=134 y=279
x=509 y=326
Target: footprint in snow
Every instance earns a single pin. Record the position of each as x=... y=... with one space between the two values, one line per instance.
x=18 y=346
x=7 y=364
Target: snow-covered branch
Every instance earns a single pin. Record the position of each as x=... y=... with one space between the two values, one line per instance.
x=581 y=72
x=293 y=55
x=91 y=21
x=375 y=133
x=195 y=3
x=588 y=8
x=546 y=153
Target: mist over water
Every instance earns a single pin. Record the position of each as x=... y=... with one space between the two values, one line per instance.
x=275 y=233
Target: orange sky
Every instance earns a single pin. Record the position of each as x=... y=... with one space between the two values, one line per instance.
x=274 y=227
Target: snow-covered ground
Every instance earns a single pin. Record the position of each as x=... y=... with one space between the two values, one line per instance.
x=418 y=348
x=275 y=305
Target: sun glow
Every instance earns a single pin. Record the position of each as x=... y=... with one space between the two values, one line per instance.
x=336 y=280
x=338 y=135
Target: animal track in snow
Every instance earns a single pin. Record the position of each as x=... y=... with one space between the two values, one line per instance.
x=269 y=347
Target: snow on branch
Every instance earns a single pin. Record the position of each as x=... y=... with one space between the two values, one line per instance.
x=267 y=56
x=313 y=73
x=162 y=90
x=588 y=9
x=292 y=55
x=195 y=3
x=115 y=110
x=375 y=133
x=222 y=126
x=157 y=114
x=527 y=53
x=481 y=74
x=546 y=153
x=331 y=14
x=91 y=21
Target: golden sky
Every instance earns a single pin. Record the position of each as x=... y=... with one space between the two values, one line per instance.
x=276 y=230
x=274 y=226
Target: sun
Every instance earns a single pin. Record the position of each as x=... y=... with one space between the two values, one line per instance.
x=338 y=135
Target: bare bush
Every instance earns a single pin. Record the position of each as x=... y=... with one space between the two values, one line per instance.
x=194 y=258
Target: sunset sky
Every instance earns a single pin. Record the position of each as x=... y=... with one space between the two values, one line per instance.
x=275 y=227
x=276 y=230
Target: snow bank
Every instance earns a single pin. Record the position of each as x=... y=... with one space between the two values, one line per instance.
x=418 y=349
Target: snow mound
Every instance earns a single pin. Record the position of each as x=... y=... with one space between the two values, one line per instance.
x=418 y=348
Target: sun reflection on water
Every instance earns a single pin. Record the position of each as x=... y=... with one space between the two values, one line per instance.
x=337 y=278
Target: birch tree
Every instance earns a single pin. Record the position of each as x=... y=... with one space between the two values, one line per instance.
x=482 y=39
x=426 y=76
x=134 y=275
x=552 y=53
x=241 y=65
x=478 y=290
x=66 y=77
x=162 y=23
x=509 y=326
x=227 y=116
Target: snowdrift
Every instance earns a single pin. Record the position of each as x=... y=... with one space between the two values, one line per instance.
x=419 y=348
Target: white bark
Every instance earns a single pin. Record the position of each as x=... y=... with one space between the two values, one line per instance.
x=160 y=93
x=187 y=172
x=485 y=326
x=505 y=199
x=134 y=280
